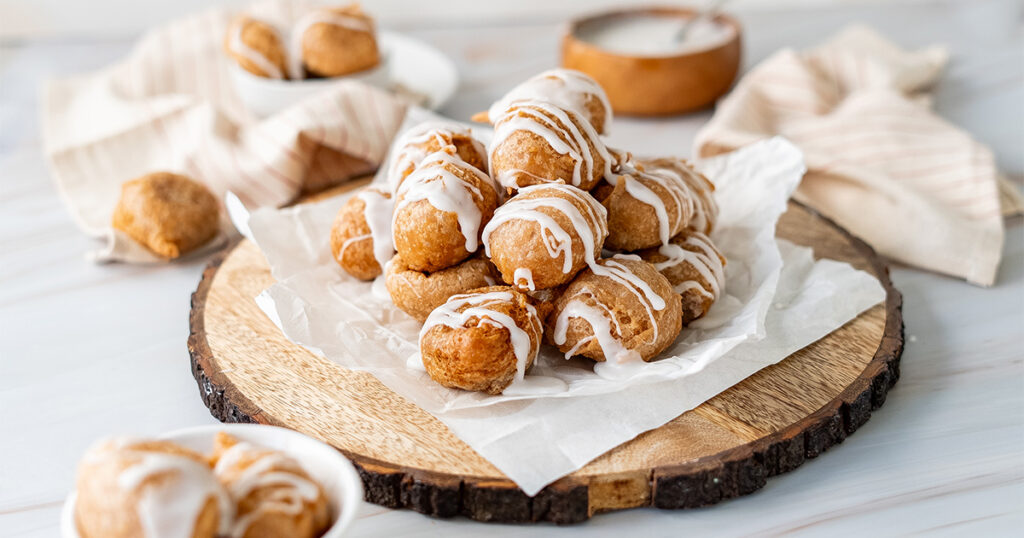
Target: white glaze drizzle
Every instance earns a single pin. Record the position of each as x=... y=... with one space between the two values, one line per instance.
x=704 y=209
x=406 y=152
x=378 y=211
x=321 y=16
x=671 y=183
x=707 y=262
x=564 y=88
x=261 y=472
x=601 y=321
x=600 y=317
x=351 y=241
x=171 y=508
x=434 y=182
x=460 y=309
x=237 y=46
x=555 y=126
x=557 y=240
x=524 y=275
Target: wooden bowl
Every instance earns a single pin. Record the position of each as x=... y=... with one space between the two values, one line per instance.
x=656 y=85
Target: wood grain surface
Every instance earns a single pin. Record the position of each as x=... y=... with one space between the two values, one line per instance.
x=770 y=423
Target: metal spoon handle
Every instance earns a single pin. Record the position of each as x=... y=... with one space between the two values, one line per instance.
x=709 y=11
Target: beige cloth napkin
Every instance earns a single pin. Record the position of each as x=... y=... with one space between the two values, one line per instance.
x=880 y=161
x=171 y=106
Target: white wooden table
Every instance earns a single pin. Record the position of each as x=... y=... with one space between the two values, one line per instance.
x=87 y=351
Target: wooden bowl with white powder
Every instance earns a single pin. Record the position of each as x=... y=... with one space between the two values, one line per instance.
x=648 y=66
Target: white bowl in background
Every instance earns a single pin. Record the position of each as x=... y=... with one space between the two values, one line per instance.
x=324 y=463
x=407 y=66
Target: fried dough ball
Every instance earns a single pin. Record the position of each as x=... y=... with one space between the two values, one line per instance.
x=645 y=209
x=429 y=137
x=537 y=142
x=441 y=208
x=619 y=309
x=694 y=267
x=544 y=235
x=705 y=210
x=338 y=41
x=124 y=487
x=273 y=494
x=417 y=293
x=565 y=88
x=482 y=340
x=167 y=213
x=257 y=47
x=361 y=234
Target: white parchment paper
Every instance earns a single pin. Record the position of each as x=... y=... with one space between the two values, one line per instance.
x=777 y=300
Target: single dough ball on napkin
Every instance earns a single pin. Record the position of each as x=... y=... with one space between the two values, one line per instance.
x=167 y=213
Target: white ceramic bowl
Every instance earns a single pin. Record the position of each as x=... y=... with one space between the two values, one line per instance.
x=407 y=65
x=325 y=464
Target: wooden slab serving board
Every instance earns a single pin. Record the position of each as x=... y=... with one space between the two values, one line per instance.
x=768 y=424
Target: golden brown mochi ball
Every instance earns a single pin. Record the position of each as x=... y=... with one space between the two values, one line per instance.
x=536 y=142
x=482 y=340
x=418 y=293
x=705 y=209
x=273 y=495
x=338 y=41
x=167 y=213
x=123 y=483
x=361 y=233
x=544 y=235
x=645 y=209
x=257 y=47
x=565 y=88
x=440 y=211
x=429 y=137
x=622 y=309
x=694 y=267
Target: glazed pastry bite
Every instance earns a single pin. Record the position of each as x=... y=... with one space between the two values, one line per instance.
x=332 y=42
x=620 y=309
x=544 y=235
x=482 y=340
x=130 y=488
x=257 y=47
x=645 y=208
x=705 y=210
x=537 y=142
x=694 y=267
x=565 y=88
x=440 y=209
x=361 y=234
x=429 y=137
x=417 y=293
x=167 y=213
x=273 y=494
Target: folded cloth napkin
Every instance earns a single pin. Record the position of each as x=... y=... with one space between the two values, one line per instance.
x=879 y=160
x=171 y=106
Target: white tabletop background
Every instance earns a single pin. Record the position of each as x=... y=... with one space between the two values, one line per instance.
x=87 y=351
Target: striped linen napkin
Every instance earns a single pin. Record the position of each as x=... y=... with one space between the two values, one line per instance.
x=171 y=106
x=879 y=160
